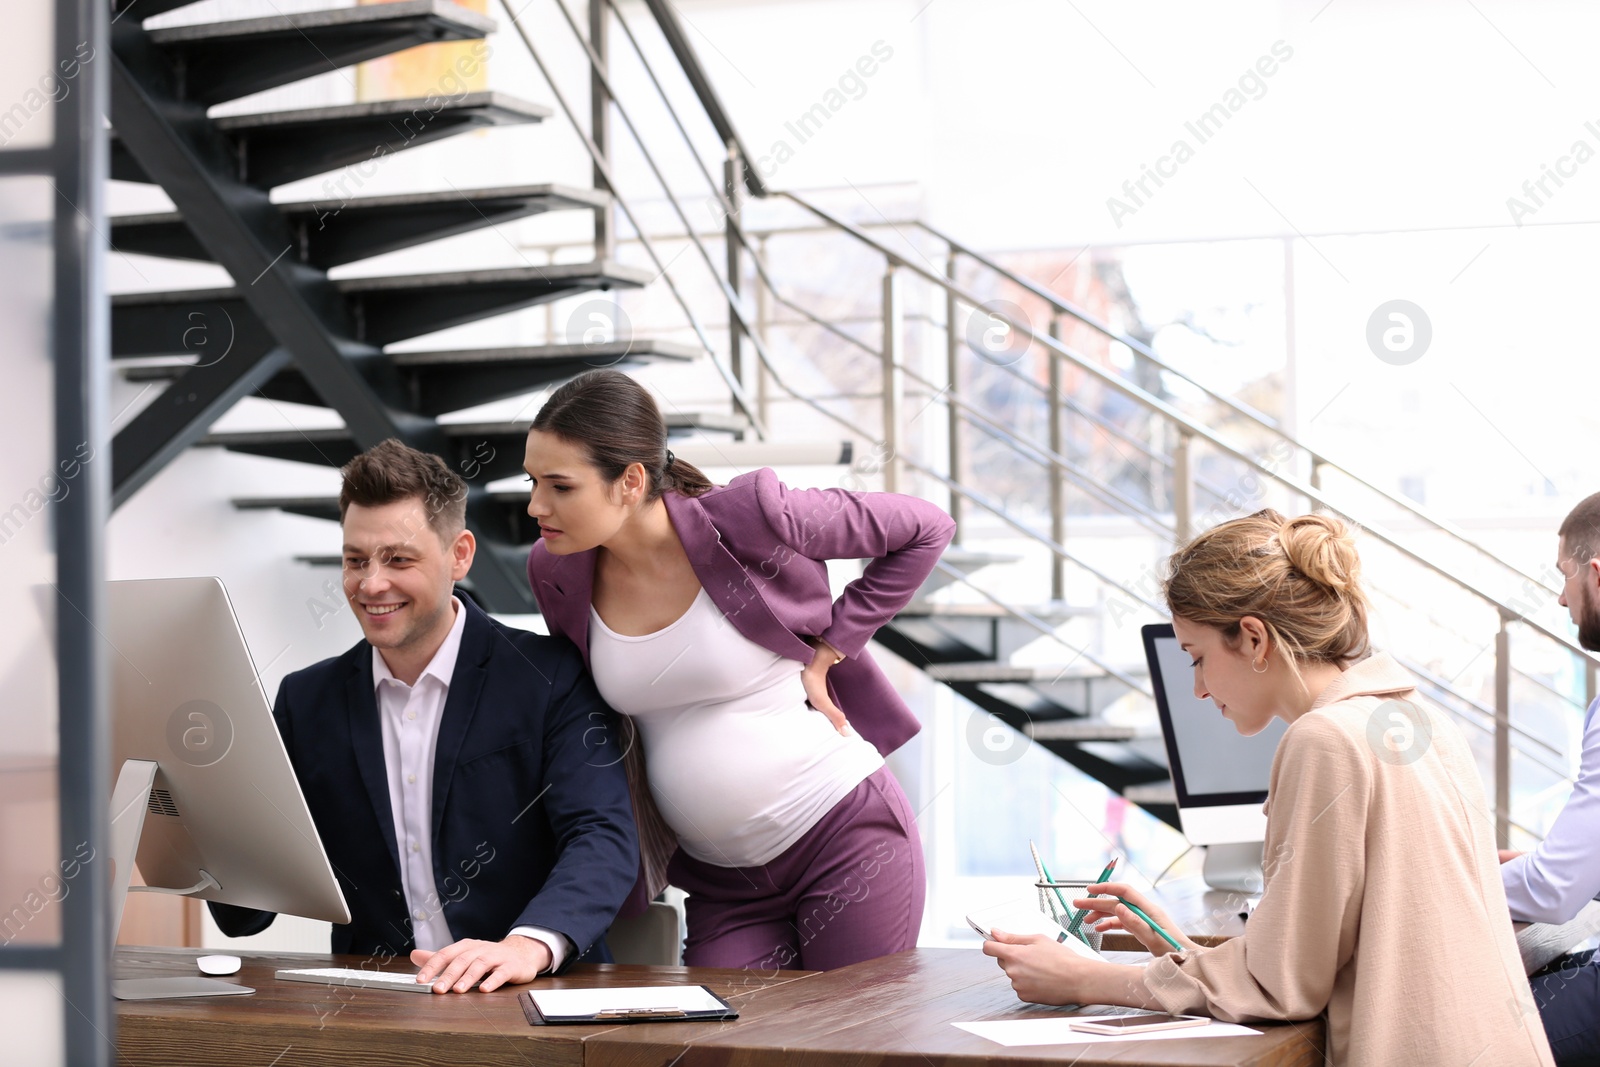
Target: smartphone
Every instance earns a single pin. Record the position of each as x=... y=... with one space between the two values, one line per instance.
x=982 y=931
x=1134 y=1024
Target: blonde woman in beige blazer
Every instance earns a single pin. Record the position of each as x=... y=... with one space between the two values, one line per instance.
x=1383 y=905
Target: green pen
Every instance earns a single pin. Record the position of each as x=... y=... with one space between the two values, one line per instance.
x=1079 y=916
x=1151 y=923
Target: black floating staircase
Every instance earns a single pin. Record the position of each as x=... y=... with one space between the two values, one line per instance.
x=285 y=330
x=968 y=647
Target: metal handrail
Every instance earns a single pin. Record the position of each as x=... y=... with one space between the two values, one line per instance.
x=1184 y=423
x=1265 y=422
x=1440 y=624
x=1481 y=708
x=603 y=167
x=1045 y=457
x=1046 y=630
x=689 y=60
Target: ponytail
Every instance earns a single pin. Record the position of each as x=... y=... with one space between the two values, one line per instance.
x=617 y=422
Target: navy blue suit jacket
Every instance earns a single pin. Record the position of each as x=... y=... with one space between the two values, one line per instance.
x=531 y=819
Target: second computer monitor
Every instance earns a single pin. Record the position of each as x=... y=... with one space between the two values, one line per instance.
x=1219 y=774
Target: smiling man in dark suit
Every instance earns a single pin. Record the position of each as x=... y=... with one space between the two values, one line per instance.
x=463 y=775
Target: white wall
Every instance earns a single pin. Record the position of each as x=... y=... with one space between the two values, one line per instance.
x=1023 y=116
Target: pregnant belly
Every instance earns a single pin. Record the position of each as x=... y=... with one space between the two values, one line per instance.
x=737 y=785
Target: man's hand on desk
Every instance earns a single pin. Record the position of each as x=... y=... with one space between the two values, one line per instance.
x=457 y=967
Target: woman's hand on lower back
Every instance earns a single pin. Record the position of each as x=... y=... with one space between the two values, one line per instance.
x=814 y=676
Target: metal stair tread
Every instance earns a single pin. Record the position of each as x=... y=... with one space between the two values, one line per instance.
x=211 y=32
x=149 y=9
x=688 y=450
x=606 y=353
x=989 y=610
x=612 y=272
x=989 y=671
x=677 y=420
x=278 y=147
x=1151 y=793
x=576 y=196
x=608 y=350
x=1091 y=729
x=496 y=105
x=977 y=557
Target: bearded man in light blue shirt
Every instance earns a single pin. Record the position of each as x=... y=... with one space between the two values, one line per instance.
x=1552 y=883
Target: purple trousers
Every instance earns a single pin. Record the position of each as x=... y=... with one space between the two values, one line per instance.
x=851 y=889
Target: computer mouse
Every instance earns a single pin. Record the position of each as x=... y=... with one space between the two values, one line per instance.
x=218 y=964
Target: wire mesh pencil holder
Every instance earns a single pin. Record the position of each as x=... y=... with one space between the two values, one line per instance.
x=1051 y=904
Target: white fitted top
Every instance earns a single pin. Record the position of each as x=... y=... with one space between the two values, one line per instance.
x=738 y=763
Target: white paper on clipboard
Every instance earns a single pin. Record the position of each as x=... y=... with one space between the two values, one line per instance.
x=561 y=1003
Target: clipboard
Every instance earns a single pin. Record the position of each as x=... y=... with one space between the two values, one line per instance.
x=623 y=1004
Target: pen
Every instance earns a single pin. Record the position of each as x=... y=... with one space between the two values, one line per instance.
x=1151 y=923
x=1078 y=917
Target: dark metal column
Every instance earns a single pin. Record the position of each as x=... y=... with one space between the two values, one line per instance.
x=82 y=381
x=605 y=235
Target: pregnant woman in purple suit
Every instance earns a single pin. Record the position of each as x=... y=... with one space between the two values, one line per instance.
x=760 y=721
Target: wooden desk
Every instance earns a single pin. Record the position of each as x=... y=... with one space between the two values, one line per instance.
x=297 y=1024
x=900 y=1010
x=897 y=1010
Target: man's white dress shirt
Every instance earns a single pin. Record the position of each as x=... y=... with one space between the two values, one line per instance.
x=1552 y=883
x=410 y=717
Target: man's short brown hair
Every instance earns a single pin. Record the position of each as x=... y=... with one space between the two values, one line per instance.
x=394 y=471
x=1580 y=530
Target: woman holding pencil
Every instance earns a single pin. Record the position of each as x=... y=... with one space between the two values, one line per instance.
x=1383 y=904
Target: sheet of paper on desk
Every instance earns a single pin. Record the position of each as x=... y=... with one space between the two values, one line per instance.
x=1014 y=1033
x=564 y=1002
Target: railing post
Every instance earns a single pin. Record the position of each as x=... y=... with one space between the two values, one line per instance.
x=1058 y=484
x=1502 y=734
x=763 y=313
x=893 y=377
x=733 y=186
x=952 y=357
x=605 y=234
x=1183 y=486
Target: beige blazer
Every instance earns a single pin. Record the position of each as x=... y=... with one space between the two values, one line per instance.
x=1383 y=904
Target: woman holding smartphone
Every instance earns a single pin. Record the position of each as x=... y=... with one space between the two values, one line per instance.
x=1383 y=905
x=705 y=615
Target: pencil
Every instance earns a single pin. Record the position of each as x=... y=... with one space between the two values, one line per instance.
x=1063 y=900
x=1078 y=917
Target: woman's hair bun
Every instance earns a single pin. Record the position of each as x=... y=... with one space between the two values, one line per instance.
x=1320 y=548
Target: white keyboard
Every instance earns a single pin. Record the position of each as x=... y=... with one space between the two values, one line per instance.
x=352 y=976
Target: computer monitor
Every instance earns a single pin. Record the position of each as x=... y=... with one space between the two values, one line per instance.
x=204 y=794
x=1220 y=776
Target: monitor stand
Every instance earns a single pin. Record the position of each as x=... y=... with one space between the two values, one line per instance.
x=1235 y=866
x=130 y=802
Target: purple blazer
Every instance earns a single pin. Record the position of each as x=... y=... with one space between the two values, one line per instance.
x=758 y=548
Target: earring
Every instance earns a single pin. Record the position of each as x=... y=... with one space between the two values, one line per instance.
x=1263 y=669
